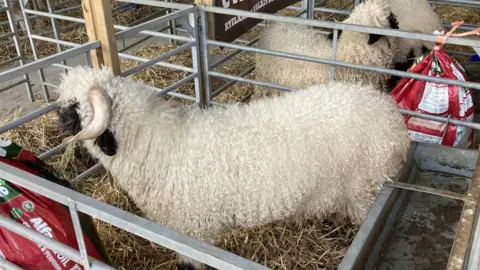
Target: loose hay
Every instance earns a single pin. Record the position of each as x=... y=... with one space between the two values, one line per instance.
x=314 y=244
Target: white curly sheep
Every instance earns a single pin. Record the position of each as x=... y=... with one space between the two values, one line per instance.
x=352 y=47
x=313 y=152
x=414 y=16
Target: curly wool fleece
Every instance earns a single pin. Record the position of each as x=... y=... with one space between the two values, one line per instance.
x=352 y=47
x=308 y=153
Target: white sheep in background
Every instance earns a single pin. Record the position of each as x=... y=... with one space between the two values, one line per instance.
x=353 y=47
x=309 y=153
x=414 y=16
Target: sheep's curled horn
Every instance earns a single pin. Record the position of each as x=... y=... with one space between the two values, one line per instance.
x=102 y=113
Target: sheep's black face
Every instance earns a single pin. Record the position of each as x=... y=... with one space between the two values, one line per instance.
x=373 y=38
x=69 y=119
x=70 y=124
x=394 y=80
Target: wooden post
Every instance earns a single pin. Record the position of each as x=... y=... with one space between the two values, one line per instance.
x=99 y=24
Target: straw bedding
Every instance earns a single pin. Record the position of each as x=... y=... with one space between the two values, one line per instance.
x=314 y=244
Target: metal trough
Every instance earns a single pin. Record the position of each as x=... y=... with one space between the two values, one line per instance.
x=425 y=219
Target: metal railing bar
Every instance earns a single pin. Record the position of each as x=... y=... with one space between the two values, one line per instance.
x=231 y=55
x=72 y=206
x=57 y=41
x=19 y=50
x=61 y=30
x=249 y=81
x=162 y=64
x=230 y=83
x=134 y=30
x=177 y=84
x=473 y=259
x=349 y=65
x=62 y=66
x=182 y=96
x=13 y=85
x=334 y=54
x=56 y=34
x=55 y=16
x=67 y=9
x=333 y=11
x=51 y=84
x=469 y=3
x=43 y=240
x=429 y=190
x=158 y=4
x=117 y=27
x=9 y=61
x=47 y=61
x=340 y=26
x=158 y=59
x=162 y=235
x=52 y=152
x=27 y=118
x=95 y=168
x=33 y=45
x=459 y=53
x=441 y=119
x=155 y=34
x=4 y=264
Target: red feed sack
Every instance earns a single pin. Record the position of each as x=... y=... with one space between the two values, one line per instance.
x=436 y=99
x=39 y=213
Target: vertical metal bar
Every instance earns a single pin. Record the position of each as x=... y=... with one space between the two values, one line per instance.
x=118 y=20
x=310 y=9
x=55 y=31
x=172 y=30
x=72 y=206
x=334 y=54
x=35 y=53
x=192 y=19
x=18 y=48
x=202 y=39
x=88 y=58
x=304 y=8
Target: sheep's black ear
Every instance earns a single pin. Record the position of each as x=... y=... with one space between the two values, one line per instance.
x=69 y=120
x=107 y=143
x=372 y=38
x=392 y=20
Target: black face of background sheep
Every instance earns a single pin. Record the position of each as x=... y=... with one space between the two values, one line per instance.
x=70 y=124
x=401 y=66
x=394 y=80
x=392 y=19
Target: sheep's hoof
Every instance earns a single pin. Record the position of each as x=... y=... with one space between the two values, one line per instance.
x=185 y=266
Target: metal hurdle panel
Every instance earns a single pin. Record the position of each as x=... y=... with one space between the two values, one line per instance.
x=193 y=20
